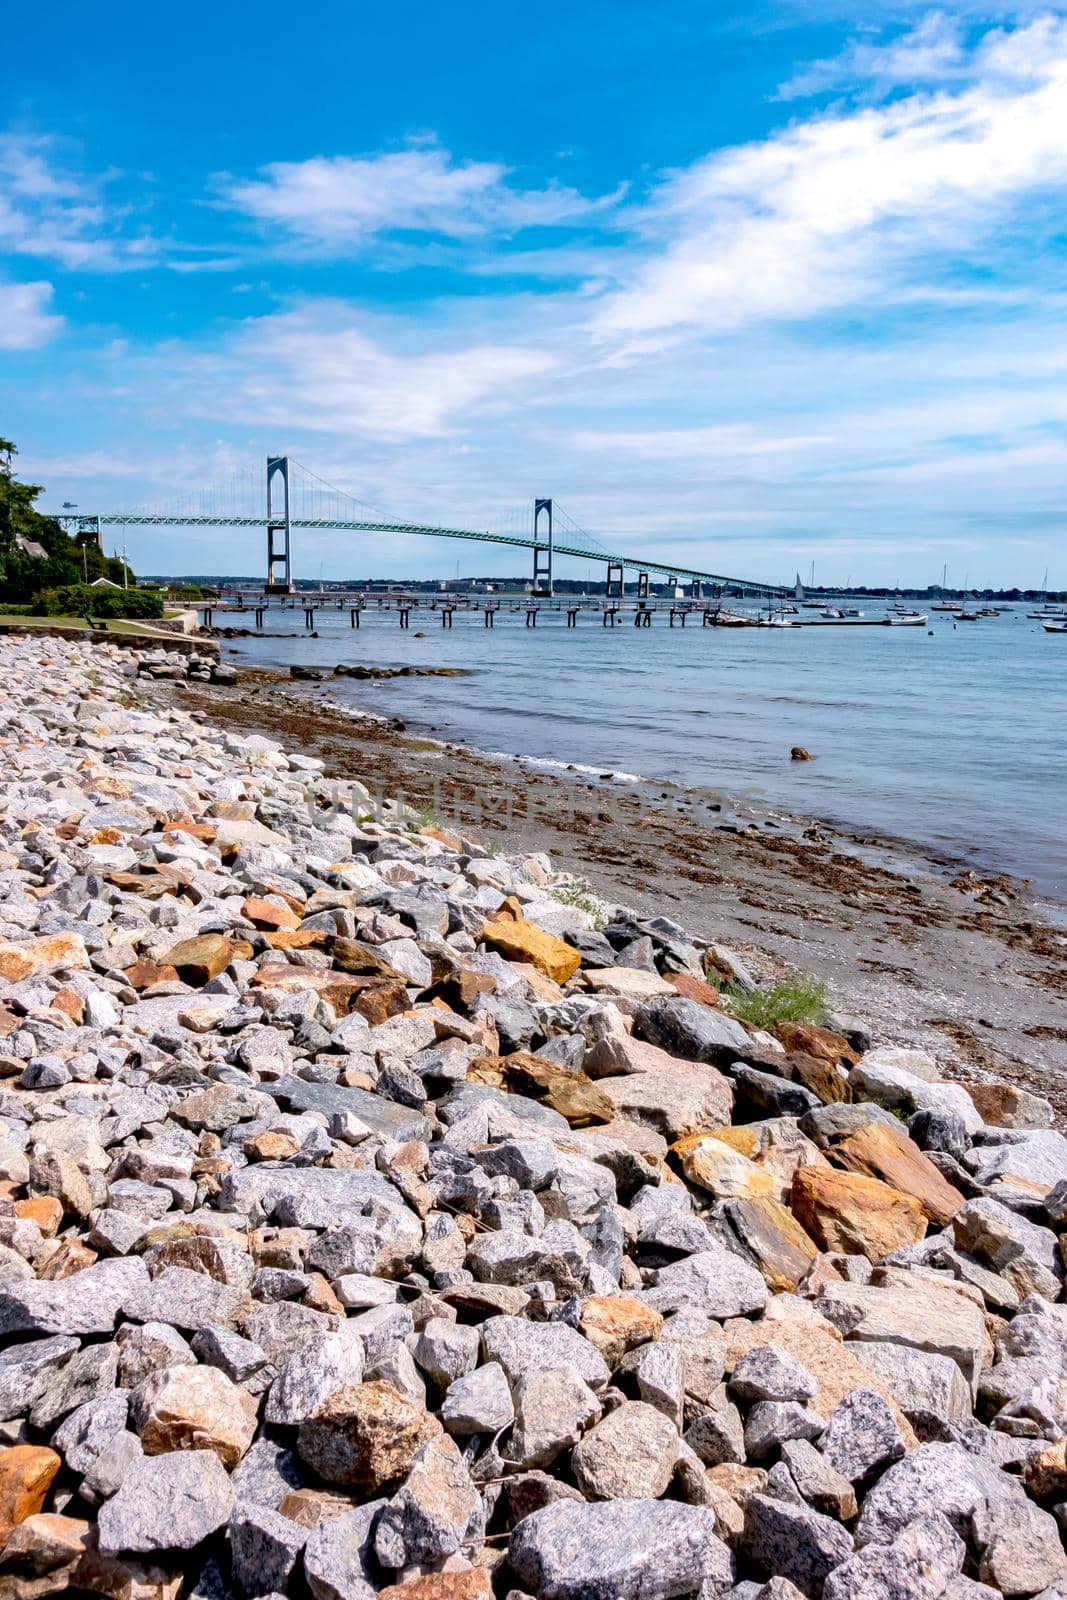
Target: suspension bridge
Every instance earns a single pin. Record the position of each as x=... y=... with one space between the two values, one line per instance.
x=296 y=499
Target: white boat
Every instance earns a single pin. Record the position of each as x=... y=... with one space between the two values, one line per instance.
x=851 y=611
x=1055 y=627
x=906 y=619
x=832 y=611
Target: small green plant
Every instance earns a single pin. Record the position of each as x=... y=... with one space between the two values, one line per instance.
x=418 y=817
x=799 y=999
x=578 y=893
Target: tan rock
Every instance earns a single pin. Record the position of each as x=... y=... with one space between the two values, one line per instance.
x=1045 y=1474
x=270 y=1146
x=889 y=1155
x=57 y=1174
x=28 y=958
x=473 y=1584
x=46 y=1541
x=309 y=1507
x=125 y=1578
x=1004 y=1105
x=366 y=1434
x=774 y=1239
x=918 y=1310
x=688 y=1099
x=721 y=1170
x=194 y=1408
x=518 y=940
x=618 y=1323
x=822 y=1043
x=630 y=984
x=739 y=1482
x=860 y=1216
x=71 y=1004
x=71 y=1256
x=744 y=1140
x=821 y=1350
x=200 y=959
x=580 y=1103
x=146 y=974
x=26 y=1473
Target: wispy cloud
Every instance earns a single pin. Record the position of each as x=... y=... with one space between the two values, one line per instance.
x=850 y=206
x=931 y=52
x=26 y=317
x=336 y=203
x=52 y=211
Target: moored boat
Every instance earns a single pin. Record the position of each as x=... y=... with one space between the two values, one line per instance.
x=906 y=619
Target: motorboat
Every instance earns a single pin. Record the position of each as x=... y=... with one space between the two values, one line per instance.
x=906 y=619
x=832 y=611
x=851 y=611
x=954 y=606
x=1055 y=627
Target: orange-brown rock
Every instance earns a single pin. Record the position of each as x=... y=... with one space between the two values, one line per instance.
x=366 y=1434
x=195 y=1408
x=821 y=1077
x=70 y=1257
x=46 y=1541
x=146 y=974
x=270 y=1146
x=889 y=1155
x=320 y=1297
x=618 y=1323
x=106 y=836
x=1045 y=1474
x=350 y=955
x=44 y=1209
x=518 y=940
x=774 y=1239
x=380 y=1001
x=295 y=938
x=858 y=1215
x=70 y=1003
x=473 y=1584
x=125 y=1578
x=26 y=1473
x=309 y=1507
x=200 y=959
x=822 y=1043
x=193 y=830
x=25 y=958
x=266 y=915
x=740 y=1139
x=691 y=988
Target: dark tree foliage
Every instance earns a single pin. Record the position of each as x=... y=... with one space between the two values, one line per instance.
x=66 y=561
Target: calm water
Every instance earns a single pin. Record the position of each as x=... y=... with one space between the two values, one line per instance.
x=957 y=742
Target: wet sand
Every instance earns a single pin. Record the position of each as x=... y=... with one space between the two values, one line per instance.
x=929 y=952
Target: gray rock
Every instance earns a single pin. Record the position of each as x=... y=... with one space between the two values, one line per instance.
x=265 y=1548
x=767 y=1373
x=326 y=1363
x=820 y=1484
x=641 y=1549
x=339 y=1555
x=717 y=1436
x=266 y=1474
x=553 y=1407
x=522 y=1347
x=435 y=1511
x=167 y=1502
x=479 y=1402
x=919 y=1565
x=917 y=1379
x=89 y=1430
x=793 y=1541
x=184 y=1299
x=630 y=1455
x=27 y=1369
x=446 y=1351
x=719 y=1283
x=88 y=1376
x=690 y=1030
x=87 y=1302
x=109 y=1470
x=935 y=1477
x=1019 y=1547
x=1027 y=1255
x=862 y=1436
x=771 y=1423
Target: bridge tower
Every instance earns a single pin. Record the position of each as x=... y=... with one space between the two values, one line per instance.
x=542 y=573
x=279 y=526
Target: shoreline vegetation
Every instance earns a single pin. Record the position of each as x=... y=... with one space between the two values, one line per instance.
x=958 y=962
x=382 y=1213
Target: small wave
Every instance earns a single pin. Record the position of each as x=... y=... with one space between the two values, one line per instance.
x=547 y=764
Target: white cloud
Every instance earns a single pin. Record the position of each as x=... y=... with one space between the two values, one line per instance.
x=322 y=366
x=931 y=52
x=848 y=207
x=337 y=202
x=53 y=213
x=26 y=318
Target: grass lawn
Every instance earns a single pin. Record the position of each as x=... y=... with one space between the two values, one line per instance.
x=114 y=625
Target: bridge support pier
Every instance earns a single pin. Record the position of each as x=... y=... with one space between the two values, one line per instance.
x=279 y=527
x=616 y=585
x=353 y=619
x=490 y=616
x=405 y=616
x=309 y=616
x=446 y=616
x=542 y=568
x=642 y=586
x=696 y=591
x=610 y=613
x=680 y=614
x=259 y=617
x=531 y=616
x=572 y=616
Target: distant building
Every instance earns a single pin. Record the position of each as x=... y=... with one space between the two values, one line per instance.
x=31 y=548
x=104 y=583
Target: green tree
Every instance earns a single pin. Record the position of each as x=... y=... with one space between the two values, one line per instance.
x=65 y=561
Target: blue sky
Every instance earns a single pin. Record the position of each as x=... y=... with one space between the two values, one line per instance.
x=749 y=286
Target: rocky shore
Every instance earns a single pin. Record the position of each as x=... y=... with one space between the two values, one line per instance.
x=376 y=1219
